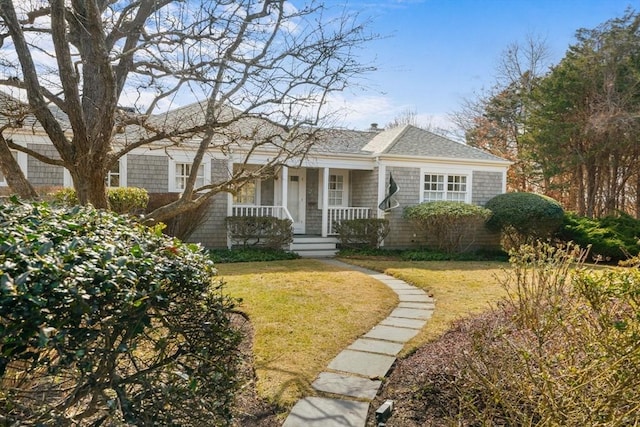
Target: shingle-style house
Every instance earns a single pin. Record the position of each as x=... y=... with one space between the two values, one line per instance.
x=345 y=175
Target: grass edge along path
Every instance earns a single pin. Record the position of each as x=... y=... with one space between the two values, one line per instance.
x=460 y=289
x=304 y=312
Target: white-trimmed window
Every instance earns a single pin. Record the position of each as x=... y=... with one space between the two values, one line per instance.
x=179 y=171
x=21 y=158
x=337 y=188
x=457 y=188
x=449 y=187
x=249 y=194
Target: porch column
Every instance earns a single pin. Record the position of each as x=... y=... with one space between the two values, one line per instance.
x=229 y=213
x=325 y=202
x=382 y=191
x=382 y=188
x=229 y=200
x=284 y=187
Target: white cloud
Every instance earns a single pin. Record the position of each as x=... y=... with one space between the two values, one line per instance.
x=360 y=112
x=435 y=121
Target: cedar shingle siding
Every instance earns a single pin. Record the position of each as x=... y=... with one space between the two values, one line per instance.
x=364 y=188
x=213 y=233
x=314 y=213
x=403 y=234
x=148 y=172
x=42 y=174
x=486 y=185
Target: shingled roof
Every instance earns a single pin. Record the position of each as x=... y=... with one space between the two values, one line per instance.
x=409 y=140
x=18 y=113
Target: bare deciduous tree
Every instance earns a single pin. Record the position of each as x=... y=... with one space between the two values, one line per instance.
x=496 y=120
x=409 y=116
x=258 y=71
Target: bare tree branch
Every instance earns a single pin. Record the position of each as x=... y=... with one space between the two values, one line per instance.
x=261 y=71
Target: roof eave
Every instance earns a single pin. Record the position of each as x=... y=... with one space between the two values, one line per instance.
x=457 y=160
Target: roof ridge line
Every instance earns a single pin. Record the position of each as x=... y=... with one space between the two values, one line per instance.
x=395 y=140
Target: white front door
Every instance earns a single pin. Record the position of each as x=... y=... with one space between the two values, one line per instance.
x=297 y=198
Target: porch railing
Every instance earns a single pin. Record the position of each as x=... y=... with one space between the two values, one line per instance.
x=280 y=212
x=338 y=214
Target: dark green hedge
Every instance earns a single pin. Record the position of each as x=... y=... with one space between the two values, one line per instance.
x=524 y=217
x=105 y=322
x=612 y=238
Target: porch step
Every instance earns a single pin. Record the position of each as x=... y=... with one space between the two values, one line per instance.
x=314 y=246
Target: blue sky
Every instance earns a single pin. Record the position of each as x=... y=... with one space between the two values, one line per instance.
x=438 y=52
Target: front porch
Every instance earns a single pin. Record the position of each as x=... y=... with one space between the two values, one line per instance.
x=314 y=199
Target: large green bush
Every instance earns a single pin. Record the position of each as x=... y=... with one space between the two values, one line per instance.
x=612 y=238
x=524 y=217
x=447 y=224
x=106 y=322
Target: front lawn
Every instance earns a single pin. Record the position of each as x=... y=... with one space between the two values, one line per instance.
x=304 y=312
x=460 y=288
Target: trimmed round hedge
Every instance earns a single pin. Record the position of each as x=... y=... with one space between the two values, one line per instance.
x=524 y=216
x=104 y=321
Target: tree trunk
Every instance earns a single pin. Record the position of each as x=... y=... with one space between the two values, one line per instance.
x=90 y=186
x=14 y=176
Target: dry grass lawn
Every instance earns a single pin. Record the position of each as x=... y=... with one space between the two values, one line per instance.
x=460 y=288
x=304 y=312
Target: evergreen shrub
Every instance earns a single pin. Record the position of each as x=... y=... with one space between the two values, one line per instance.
x=612 y=238
x=251 y=254
x=524 y=217
x=446 y=223
x=106 y=322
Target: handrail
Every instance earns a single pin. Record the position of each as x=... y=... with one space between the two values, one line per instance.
x=280 y=212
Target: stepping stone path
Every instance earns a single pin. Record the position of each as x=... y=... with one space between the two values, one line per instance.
x=354 y=377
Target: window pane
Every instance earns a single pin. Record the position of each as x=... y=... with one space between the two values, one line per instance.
x=182 y=172
x=433 y=187
x=246 y=195
x=182 y=175
x=336 y=190
x=200 y=179
x=456 y=188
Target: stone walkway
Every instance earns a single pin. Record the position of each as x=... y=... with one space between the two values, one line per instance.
x=353 y=378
